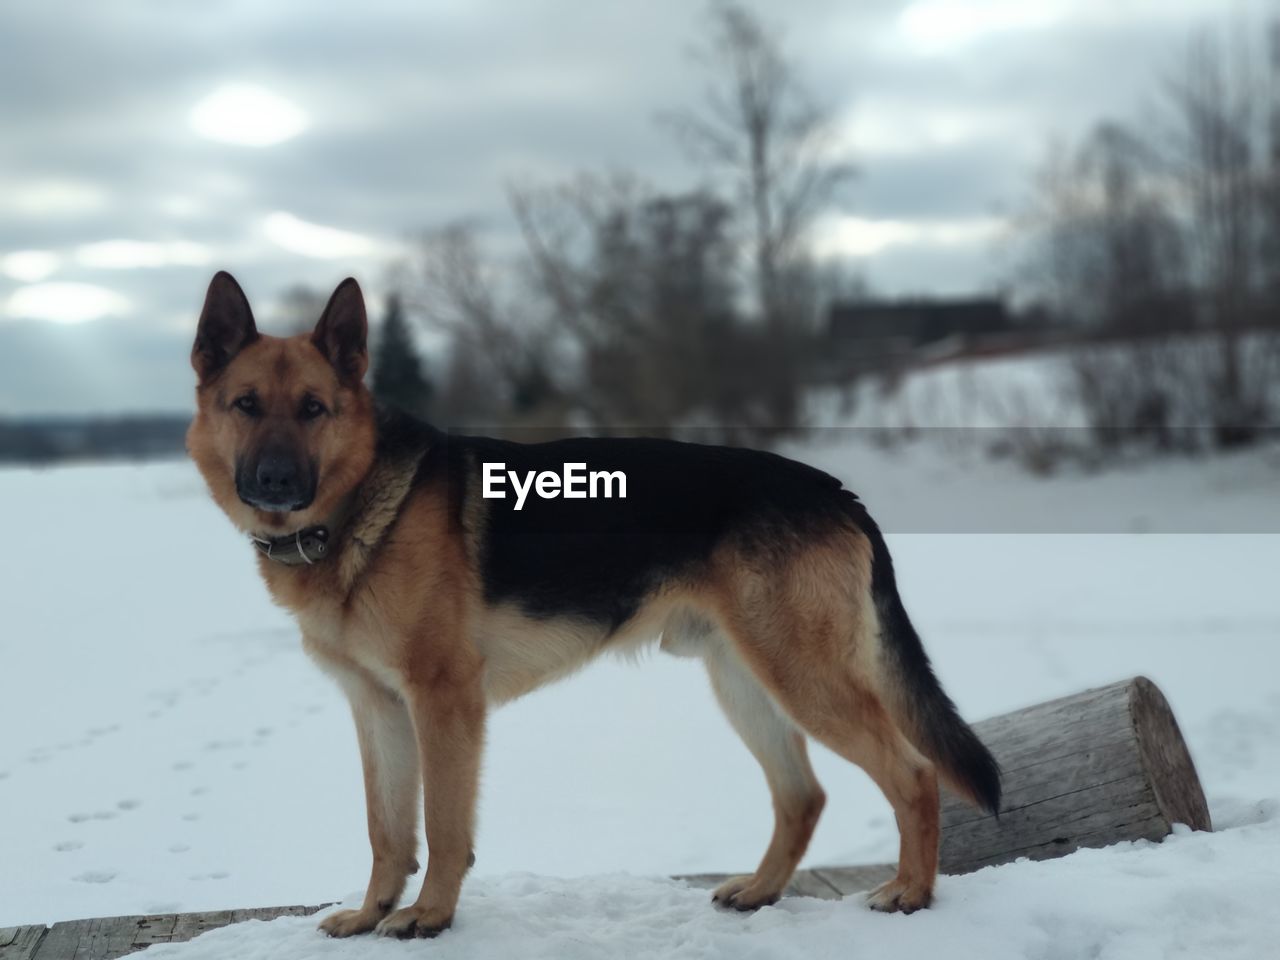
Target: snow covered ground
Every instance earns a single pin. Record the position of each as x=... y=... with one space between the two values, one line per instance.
x=1195 y=896
x=165 y=745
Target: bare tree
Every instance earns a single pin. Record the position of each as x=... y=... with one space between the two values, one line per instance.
x=642 y=285
x=760 y=130
x=1107 y=250
x=1169 y=228
x=1216 y=145
x=1269 y=192
x=1107 y=254
x=499 y=355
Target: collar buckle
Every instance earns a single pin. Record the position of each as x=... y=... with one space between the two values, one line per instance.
x=303 y=547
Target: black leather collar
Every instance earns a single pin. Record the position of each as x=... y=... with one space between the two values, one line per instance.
x=307 y=546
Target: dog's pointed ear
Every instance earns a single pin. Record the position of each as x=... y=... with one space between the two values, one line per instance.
x=226 y=327
x=342 y=331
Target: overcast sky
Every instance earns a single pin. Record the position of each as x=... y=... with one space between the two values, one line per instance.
x=144 y=145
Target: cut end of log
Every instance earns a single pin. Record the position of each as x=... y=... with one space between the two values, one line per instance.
x=1168 y=764
x=1088 y=770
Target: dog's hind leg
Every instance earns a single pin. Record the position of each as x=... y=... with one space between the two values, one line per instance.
x=780 y=748
x=909 y=782
x=818 y=685
x=389 y=756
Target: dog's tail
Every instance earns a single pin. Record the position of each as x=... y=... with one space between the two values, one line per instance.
x=917 y=699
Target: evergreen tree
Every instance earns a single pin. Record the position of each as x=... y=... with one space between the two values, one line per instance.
x=397 y=370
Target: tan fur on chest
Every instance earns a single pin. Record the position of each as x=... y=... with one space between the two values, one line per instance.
x=401 y=621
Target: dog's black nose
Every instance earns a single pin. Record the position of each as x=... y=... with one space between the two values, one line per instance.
x=276 y=480
x=278 y=477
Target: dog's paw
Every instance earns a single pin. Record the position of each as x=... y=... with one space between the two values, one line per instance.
x=414 y=921
x=897 y=895
x=745 y=893
x=347 y=923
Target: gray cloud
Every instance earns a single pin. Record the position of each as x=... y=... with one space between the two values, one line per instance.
x=420 y=113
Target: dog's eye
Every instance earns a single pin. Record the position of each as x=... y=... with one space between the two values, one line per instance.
x=311 y=408
x=248 y=404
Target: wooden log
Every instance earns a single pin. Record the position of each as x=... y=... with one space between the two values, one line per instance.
x=1087 y=770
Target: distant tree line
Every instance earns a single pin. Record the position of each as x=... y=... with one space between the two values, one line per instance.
x=47 y=440
x=627 y=308
x=1164 y=234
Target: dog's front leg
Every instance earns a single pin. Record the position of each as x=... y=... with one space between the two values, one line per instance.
x=389 y=756
x=447 y=703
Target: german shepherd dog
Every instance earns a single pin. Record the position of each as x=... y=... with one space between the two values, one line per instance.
x=431 y=602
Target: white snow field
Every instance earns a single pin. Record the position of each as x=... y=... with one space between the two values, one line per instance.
x=165 y=745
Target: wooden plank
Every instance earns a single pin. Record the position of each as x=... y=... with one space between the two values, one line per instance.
x=155 y=929
x=853 y=880
x=804 y=883
x=705 y=881
x=810 y=883
x=83 y=939
x=106 y=938
x=271 y=913
x=20 y=943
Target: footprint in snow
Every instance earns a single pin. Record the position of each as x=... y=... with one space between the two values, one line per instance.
x=179 y=848
x=129 y=804
x=182 y=765
x=68 y=845
x=95 y=876
x=191 y=816
x=96 y=815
